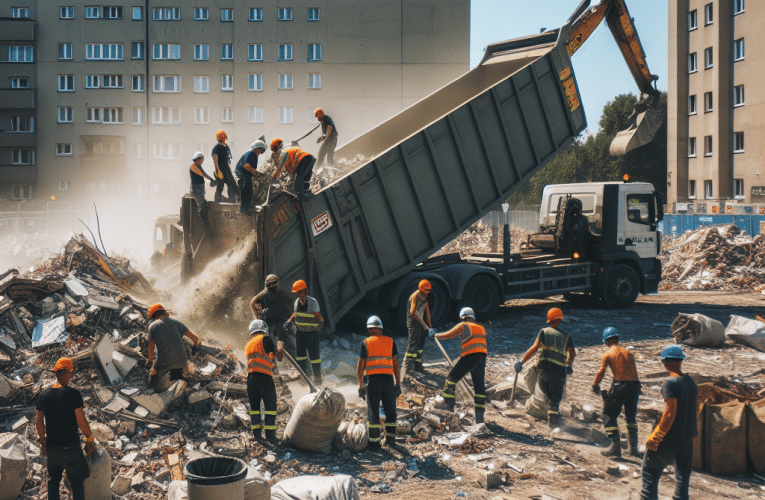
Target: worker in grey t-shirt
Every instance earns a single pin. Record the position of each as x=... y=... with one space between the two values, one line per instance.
x=308 y=322
x=166 y=336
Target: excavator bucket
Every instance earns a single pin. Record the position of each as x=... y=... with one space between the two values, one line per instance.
x=639 y=132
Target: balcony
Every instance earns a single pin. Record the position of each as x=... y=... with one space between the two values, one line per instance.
x=17 y=98
x=18 y=139
x=17 y=30
x=18 y=174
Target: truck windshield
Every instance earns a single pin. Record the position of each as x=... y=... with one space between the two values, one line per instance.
x=638 y=208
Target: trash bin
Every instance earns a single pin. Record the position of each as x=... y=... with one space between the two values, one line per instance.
x=213 y=478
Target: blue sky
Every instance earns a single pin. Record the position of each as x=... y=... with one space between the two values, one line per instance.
x=600 y=69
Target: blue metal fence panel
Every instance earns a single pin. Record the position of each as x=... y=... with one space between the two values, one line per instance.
x=743 y=222
x=756 y=219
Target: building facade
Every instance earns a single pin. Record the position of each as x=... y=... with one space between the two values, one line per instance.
x=716 y=105
x=108 y=101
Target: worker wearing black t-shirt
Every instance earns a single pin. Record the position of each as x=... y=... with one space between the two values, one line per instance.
x=221 y=155
x=59 y=414
x=328 y=138
x=274 y=306
x=247 y=170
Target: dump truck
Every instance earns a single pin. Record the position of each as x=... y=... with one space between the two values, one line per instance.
x=365 y=240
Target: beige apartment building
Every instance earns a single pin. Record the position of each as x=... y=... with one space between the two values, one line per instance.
x=716 y=104
x=107 y=100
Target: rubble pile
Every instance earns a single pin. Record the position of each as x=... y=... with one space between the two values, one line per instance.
x=713 y=258
x=477 y=239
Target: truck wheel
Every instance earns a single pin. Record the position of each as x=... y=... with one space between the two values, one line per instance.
x=481 y=295
x=622 y=287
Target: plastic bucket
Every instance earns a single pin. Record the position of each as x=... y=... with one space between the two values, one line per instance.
x=213 y=478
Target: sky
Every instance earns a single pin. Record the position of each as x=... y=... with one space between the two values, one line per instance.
x=601 y=72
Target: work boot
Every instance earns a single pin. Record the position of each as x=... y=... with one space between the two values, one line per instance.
x=553 y=419
x=449 y=398
x=479 y=416
x=615 y=450
x=632 y=445
x=418 y=367
x=271 y=437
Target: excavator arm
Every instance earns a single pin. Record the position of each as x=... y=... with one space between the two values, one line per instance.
x=646 y=117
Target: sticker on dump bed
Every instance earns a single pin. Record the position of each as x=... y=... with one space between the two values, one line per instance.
x=321 y=224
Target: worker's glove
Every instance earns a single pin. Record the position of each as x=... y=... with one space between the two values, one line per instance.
x=518 y=366
x=655 y=439
x=432 y=333
x=287 y=325
x=363 y=393
x=569 y=370
x=149 y=362
x=397 y=390
x=596 y=388
x=263 y=314
x=194 y=349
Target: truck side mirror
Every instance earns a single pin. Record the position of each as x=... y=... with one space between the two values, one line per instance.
x=659 y=206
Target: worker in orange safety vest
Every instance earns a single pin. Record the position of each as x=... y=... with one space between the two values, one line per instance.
x=260 y=354
x=297 y=162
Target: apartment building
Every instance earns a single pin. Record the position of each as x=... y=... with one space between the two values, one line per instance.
x=108 y=100
x=716 y=106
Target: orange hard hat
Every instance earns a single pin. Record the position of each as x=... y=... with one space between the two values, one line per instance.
x=63 y=364
x=554 y=314
x=276 y=144
x=424 y=286
x=221 y=135
x=154 y=309
x=298 y=286
x=318 y=112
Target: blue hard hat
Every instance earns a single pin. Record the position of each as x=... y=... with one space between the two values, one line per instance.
x=672 y=353
x=374 y=322
x=609 y=333
x=467 y=312
x=258 y=325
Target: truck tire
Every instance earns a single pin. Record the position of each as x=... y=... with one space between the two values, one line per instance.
x=481 y=295
x=438 y=301
x=622 y=287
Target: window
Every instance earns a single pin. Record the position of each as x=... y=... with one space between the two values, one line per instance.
x=112 y=12
x=708 y=145
x=285 y=14
x=64 y=50
x=22 y=124
x=92 y=81
x=201 y=84
x=92 y=12
x=226 y=51
x=285 y=82
x=313 y=13
x=103 y=115
x=256 y=82
x=255 y=52
x=66 y=83
x=166 y=151
x=314 y=52
x=285 y=51
x=738 y=142
x=641 y=208
x=227 y=115
x=136 y=50
x=137 y=84
x=738 y=49
x=201 y=13
x=166 y=13
x=65 y=115
x=103 y=51
x=170 y=51
x=137 y=13
x=167 y=83
x=63 y=185
x=115 y=185
x=21 y=53
x=708 y=192
x=692 y=20
x=314 y=81
x=166 y=115
x=66 y=12
x=708 y=58
x=20 y=12
x=738 y=7
x=285 y=115
x=256 y=14
x=691 y=189
x=63 y=150
x=201 y=52
x=138 y=115
x=708 y=102
x=226 y=15
x=691 y=147
x=738 y=188
x=227 y=82
x=255 y=115
x=692 y=63
x=22 y=191
x=20 y=83
x=112 y=81
x=708 y=14
x=23 y=157
x=738 y=95
x=691 y=104
x=201 y=116
x=138 y=149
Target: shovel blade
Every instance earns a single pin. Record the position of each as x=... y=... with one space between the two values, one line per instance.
x=640 y=131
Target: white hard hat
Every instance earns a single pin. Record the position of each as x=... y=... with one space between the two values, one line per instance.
x=374 y=322
x=258 y=325
x=258 y=144
x=467 y=312
x=198 y=155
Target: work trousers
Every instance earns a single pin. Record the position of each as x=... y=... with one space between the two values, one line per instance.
x=71 y=460
x=228 y=180
x=622 y=394
x=308 y=342
x=261 y=387
x=414 y=347
x=303 y=174
x=327 y=149
x=475 y=364
x=678 y=452
x=245 y=189
x=197 y=191
x=552 y=385
x=381 y=389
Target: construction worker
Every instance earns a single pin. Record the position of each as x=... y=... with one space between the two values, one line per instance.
x=671 y=442
x=379 y=358
x=260 y=354
x=418 y=323
x=247 y=170
x=308 y=322
x=625 y=391
x=197 y=190
x=59 y=414
x=166 y=336
x=297 y=162
x=554 y=363
x=472 y=360
x=328 y=137
x=274 y=306
x=221 y=155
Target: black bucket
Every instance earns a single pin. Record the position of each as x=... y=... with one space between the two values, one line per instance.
x=214 y=471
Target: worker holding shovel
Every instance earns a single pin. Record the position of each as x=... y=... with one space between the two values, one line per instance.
x=261 y=353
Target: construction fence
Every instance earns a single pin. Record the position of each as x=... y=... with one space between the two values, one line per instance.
x=676 y=224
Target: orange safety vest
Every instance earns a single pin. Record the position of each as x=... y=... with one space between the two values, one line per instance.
x=257 y=359
x=379 y=355
x=473 y=339
x=294 y=155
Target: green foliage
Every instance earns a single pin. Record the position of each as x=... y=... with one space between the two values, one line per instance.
x=589 y=160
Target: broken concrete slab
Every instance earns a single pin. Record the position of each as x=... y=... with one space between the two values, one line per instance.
x=105 y=355
x=491 y=479
x=121 y=485
x=126 y=428
x=19 y=423
x=76 y=288
x=123 y=363
x=102 y=431
x=200 y=402
x=9 y=389
x=50 y=331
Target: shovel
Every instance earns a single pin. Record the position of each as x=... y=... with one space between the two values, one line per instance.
x=300 y=371
x=512 y=394
x=462 y=383
x=642 y=126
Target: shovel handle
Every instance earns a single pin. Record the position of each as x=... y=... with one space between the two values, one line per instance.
x=300 y=371
x=512 y=394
